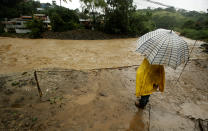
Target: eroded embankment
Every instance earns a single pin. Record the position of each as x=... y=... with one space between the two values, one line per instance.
x=76 y=100
x=102 y=99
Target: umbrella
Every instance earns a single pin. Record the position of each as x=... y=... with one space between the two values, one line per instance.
x=163 y=47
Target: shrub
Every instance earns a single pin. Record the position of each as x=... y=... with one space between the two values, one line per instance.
x=37 y=28
x=57 y=23
x=195 y=34
x=189 y=24
x=140 y=24
x=63 y=19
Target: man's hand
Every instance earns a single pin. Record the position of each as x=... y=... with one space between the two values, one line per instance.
x=155 y=87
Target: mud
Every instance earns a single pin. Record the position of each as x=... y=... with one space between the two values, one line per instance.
x=72 y=100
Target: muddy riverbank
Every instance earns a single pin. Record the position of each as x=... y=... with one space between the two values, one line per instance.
x=79 y=34
x=99 y=94
x=102 y=99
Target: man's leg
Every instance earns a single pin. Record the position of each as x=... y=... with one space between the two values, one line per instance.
x=143 y=101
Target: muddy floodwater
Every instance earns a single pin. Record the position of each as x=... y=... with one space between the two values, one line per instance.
x=24 y=54
x=89 y=85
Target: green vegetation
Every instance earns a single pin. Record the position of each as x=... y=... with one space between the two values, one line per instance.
x=15 y=8
x=141 y=23
x=117 y=16
x=191 y=24
x=195 y=34
x=1 y=28
x=91 y=6
x=110 y=16
x=37 y=28
x=63 y=19
x=15 y=83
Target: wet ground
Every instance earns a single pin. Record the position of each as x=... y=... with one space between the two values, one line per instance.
x=98 y=95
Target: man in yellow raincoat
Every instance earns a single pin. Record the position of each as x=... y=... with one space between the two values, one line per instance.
x=149 y=78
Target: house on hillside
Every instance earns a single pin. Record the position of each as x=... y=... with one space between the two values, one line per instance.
x=9 y=26
x=87 y=23
x=44 y=18
x=17 y=24
x=20 y=26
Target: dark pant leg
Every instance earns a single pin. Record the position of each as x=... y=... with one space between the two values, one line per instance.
x=144 y=100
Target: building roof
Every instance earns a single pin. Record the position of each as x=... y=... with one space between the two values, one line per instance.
x=39 y=14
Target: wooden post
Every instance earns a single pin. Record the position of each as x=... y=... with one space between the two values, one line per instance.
x=38 y=86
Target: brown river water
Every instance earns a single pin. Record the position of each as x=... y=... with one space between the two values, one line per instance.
x=24 y=54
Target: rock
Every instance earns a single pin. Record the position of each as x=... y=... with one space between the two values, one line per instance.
x=195 y=111
x=2 y=83
x=8 y=92
x=203 y=125
x=27 y=124
x=24 y=73
x=102 y=94
x=15 y=83
x=19 y=100
x=34 y=119
x=164 y=120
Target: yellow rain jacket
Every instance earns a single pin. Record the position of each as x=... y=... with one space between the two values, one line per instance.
x=146 y=76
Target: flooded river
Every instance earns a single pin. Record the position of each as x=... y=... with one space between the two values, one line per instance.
x=24 y=54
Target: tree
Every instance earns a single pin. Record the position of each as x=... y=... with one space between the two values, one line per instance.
x=37 y=28
x=171 y=9
x=57 y=22
x=189 y=24
x=63 y=19
x=10 y=3
x=15 y=8
x=117 y=16
x=1 y=28
x=140 y=23
x=28 y=8
x=91 y=6
x=7 y=8
x=64 y=1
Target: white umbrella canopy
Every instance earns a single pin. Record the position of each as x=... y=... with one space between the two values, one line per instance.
x=163 y=47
